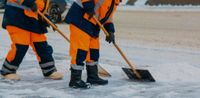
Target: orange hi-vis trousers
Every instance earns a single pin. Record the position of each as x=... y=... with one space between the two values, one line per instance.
x=83 y=48
x=21 y=39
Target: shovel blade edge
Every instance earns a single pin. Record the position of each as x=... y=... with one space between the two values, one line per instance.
x=145 y=75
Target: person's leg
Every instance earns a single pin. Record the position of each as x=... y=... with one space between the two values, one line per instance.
x=92 y=62
x=79 y=45
x=20 y=43
x=44 y=52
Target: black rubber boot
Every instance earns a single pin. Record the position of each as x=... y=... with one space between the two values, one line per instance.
x=76 y=81
x=93 y=78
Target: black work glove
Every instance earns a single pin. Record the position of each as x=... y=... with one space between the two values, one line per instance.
x=45 y=23
x=91 y=14
x=33 y=7
x=89 y=8
x=110 y=38
x=52 y=22
x=30 y=4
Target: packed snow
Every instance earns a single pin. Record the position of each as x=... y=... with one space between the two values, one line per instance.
x=141 y=6
x=176 y=71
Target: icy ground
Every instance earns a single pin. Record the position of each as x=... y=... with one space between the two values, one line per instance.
x=176 y=70
x=176 y=73
x=140 y=5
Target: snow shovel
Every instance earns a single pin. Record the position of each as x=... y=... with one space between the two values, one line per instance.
x=132 y=72
x=101 y=70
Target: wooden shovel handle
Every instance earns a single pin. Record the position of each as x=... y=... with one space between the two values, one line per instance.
x=119 y=50
x=53 y=25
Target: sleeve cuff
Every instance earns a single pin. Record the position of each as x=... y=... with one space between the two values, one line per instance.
x=88 y=5
x=109 y=27
x=28 y=3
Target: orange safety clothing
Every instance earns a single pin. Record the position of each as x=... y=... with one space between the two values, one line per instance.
x=84 y=32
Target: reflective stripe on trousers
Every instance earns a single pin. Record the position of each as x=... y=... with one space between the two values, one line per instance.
x=83 y=48
x=77 y=67
x=92 y=63
x=81 y=67
x=48 y=64
x=8 y=68
x=21 y=39
x=48 y=68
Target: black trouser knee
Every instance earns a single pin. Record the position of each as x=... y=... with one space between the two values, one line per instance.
x=12 y=66
x=45 y=51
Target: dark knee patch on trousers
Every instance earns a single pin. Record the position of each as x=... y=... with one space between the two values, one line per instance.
x=94 y=54
x=20 y=53
x=44 y=51
x=80 y=57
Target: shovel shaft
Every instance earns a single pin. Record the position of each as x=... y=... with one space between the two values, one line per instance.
x=101 y=26
x=127 y=61
x=117 y=47
x=53 y=25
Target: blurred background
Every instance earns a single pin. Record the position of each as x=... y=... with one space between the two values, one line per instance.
x=59 y=8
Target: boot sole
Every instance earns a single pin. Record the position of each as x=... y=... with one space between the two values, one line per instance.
x=98 y=83
x=74 y=87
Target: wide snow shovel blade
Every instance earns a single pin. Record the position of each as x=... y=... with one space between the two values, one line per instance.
x=101 y=72
x=145 y=75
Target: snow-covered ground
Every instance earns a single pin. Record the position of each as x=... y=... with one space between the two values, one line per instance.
x=140 y=5
x=167 y=44
x=160 y=8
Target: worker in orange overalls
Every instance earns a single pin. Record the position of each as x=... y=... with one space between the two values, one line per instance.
x=25 y=28
x=84 y=38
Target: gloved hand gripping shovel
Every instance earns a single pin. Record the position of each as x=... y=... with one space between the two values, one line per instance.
x=132 y=72
x=101 y=72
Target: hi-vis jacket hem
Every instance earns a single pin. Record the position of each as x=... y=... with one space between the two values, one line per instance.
x=17 y=14
x=103 y=11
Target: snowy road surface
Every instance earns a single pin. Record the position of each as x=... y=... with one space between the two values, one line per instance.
x=167 y=44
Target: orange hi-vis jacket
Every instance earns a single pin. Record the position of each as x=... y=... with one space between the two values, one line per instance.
x=104 y=10
x=18 y=13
